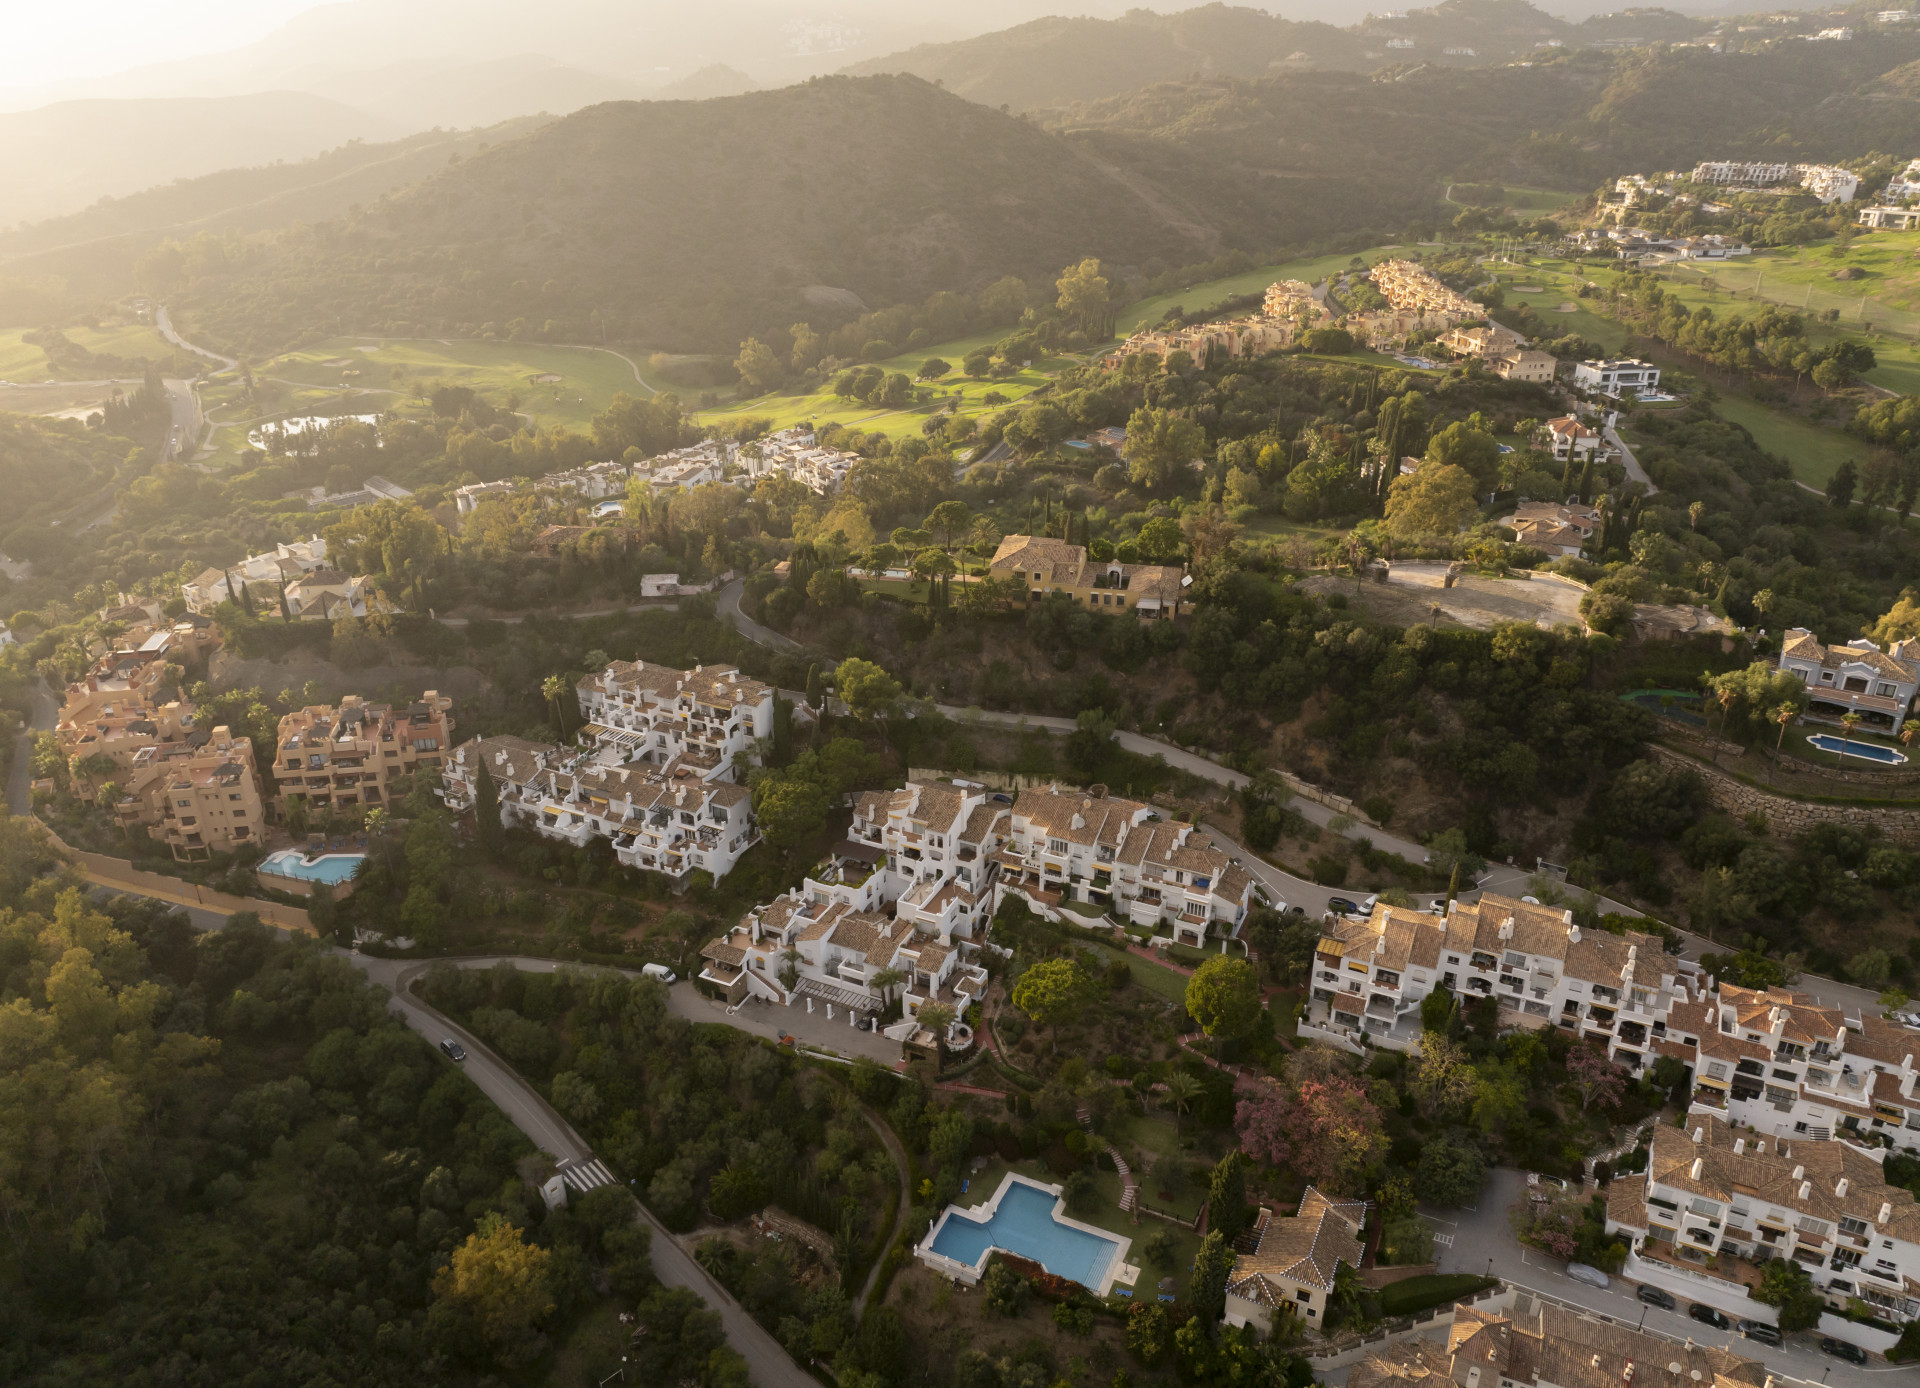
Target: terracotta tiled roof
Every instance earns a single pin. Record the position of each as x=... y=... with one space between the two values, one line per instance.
x=1302 y=1251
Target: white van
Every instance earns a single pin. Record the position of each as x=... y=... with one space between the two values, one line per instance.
x=659 y=971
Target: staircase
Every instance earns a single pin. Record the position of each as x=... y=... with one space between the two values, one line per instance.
x=1129 y=1188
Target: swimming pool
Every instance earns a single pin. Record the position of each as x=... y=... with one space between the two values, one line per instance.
x=1023 y=1218
x=1866 y=751
x=332 y=868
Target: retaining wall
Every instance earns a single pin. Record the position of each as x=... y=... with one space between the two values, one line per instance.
x=121 y=875
x=1786 y=816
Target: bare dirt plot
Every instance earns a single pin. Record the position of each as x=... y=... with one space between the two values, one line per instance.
x=1473 y=601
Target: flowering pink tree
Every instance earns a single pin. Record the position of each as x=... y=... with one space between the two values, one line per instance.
x=1336 y=1132
x=1595 y=1076
x=1262 y=1125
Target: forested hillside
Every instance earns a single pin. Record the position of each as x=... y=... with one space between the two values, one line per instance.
x=1591 y=115
x=93 y=252
x=677 y=222
x=1056 y=60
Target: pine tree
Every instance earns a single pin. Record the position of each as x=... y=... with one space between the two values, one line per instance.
x=486 y=811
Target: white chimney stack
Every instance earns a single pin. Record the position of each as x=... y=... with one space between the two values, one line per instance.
x=1886 y=1212
x=1806 y=1190
x=1739 y=1147
x=1698 y=1162
x=1798 y=1172
x=1699 y=1134
x=1840 y=1189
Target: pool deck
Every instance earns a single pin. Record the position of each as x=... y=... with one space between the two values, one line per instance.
x=983 y=1213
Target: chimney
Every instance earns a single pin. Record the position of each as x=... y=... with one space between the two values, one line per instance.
x=1700 y=1133
x=1739 y=1147
x=1760 y=1148
x=1694 y=1172
x=1798 y=1172
x=1886 y=1212
x=1806 y=1190
x=1840 y=1189
x=1573 y=935
x=1506 y=928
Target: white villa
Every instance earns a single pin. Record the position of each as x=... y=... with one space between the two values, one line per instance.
x=1855 y=678
x=1616 y=375
x=261 y=574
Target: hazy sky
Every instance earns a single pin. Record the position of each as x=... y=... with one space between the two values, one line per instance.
x=50 y=41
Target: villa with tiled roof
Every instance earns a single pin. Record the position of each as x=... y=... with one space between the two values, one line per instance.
x=1858 y=677
x=1044 y=565
x=1292 y=1266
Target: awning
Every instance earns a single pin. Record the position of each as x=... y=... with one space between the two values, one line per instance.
x=859 y=852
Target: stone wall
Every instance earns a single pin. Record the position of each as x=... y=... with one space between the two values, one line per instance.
x=1786 y=816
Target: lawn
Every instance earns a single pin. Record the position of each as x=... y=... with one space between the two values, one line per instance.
x=22 y=361
x=365 y=374
x=1422 y=1293
x=1814 y=453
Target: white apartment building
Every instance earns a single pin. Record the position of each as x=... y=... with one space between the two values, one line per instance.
x=1529 y=1343
x=1783 y=1064
x=1890 y=218
x=1905 y=184
x=1088 y=846
x=816 y=948
x=1712 y=1190
x=1616 y=375
x=694 y=720
x=1734 y=173
x=261 y=574
x=594 y=482
x=1855 y=678
x=663 y=819
x=1369 y=976
x=1829 y=182
x=939 y=843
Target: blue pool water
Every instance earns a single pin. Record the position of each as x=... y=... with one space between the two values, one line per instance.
x=1024 y=1224
x=1866 y=751
x=333 y=869
x=1078 y=443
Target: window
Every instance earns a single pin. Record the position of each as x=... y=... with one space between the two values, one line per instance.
x=1717 y=1069
x=1819 y=1228
x=1853 y=1226
x=1304 y=1296
x=184 y=804
x=1056 y=845
x=426 y=744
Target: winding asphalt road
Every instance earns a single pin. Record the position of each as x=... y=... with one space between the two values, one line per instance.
x=769 y=1364
x=20 y=777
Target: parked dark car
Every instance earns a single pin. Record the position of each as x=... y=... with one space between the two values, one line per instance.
x=864 y=1024
x=454 y=1050
x=1653 y=1296
x=1709 y=1315
x=1761 y=1331
x=1841 y=1349
x=1340 y=906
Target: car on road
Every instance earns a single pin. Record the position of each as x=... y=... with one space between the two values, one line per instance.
x=1761 y=1331
x=1592 y=1276
x=1842 y=1349
x=1654 y=1296
x=453 y=1049
x=1341 y=906
x=1710 y=1315
x=659 y=971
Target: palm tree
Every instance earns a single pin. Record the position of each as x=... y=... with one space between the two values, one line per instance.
x=1848 y=722
x=1182 y=1090
x=1908 y=731
x=1783 y=715
x=886 y=981
x=936 y=1017
x=555 y=688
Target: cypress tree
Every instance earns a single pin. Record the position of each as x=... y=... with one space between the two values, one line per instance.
x=1227 y=1197
x=486 y=811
